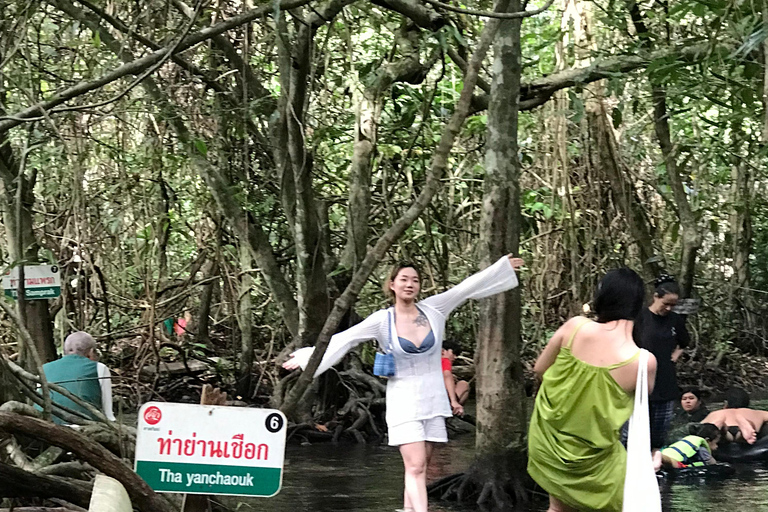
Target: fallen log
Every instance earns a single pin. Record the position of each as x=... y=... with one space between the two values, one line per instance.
x=142 y=496
x=17 y=483
x=37 y=509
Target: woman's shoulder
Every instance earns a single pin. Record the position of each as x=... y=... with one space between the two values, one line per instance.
x=578 y=321
x=381 y=314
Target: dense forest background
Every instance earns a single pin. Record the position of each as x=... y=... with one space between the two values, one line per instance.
x=236 y=163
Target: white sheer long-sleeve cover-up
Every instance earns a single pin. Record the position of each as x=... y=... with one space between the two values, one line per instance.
x=417 y=391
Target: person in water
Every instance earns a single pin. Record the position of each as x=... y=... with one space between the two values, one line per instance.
x=663 y=333
x=588 y=372
x=417 y=402
x=694 y=449
x=458 y=391
x=737 y=420
x=693 y=406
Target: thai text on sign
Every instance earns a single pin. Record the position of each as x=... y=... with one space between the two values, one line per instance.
x=40 y=282
x=206 y=449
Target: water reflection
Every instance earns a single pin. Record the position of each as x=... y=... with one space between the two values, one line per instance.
x=333 y=478
x=345 y=477
x=747 y=490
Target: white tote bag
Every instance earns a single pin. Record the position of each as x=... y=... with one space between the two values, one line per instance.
x=641 y=489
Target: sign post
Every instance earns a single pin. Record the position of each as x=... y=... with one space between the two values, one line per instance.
x=209 y=449
x=40 y=282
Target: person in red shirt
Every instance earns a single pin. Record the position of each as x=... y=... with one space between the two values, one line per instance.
x=457 y=391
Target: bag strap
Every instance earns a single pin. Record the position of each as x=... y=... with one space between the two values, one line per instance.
x=390 y=319
x=641 y=384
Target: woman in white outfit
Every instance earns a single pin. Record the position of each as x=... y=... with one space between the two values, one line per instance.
x=417 y=402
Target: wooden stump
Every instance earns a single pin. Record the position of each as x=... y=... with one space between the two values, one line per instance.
x=202 y=502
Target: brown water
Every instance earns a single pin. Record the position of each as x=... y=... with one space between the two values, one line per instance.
x=328 y=478
x=347 y=477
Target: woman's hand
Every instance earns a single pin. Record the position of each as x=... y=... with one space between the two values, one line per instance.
x=458 y=409
x=292 y=363
x=516 y=262
x=299 y=359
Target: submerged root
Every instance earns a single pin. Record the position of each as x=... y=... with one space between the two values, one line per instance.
x=493 y=483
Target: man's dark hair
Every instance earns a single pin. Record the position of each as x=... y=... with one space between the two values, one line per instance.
x=619 y=296
x=708 y=431
x=451 y=344
x=736 y=398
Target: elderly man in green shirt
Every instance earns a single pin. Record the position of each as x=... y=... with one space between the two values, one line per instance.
x=79 y=373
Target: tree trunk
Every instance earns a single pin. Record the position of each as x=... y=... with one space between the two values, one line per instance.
x=38 y=319
x=245 y=322
x=741 y=227
x=432 y=184
x=202 y=325
x=691 y=237
x=370 y=103
x=623 y=191
x=501 y=414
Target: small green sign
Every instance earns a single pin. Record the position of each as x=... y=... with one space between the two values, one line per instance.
x=211 y=449
x=210 y=478
x=40 y=282
x=50 y=292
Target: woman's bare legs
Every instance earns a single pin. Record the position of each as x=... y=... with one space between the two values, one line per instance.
x=416 y=458
x=555 y=505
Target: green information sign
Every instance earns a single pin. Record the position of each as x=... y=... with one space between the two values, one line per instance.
x=40 y=282
x=210 y=479
x=206 y=449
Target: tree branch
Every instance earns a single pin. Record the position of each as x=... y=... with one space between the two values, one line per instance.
x=139 y=65
x=142 y=496
x=423 y=16
x=17 y=483
x=492 y=14
x=431 y=186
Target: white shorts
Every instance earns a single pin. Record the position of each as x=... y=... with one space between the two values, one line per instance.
x=432 y=429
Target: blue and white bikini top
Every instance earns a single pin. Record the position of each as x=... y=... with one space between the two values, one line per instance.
x=408 y=346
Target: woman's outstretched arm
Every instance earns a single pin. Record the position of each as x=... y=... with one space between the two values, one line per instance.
x=341 y=343
x=497 y=278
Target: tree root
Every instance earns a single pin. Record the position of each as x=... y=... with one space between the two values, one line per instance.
x=75 y=470
x=41 y=509
x=354 y=418
x=17 y=483
x=142 y=496
x=498 y=482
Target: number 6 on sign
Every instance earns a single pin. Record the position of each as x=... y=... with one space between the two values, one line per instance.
x=208 y=449
x=275 y=422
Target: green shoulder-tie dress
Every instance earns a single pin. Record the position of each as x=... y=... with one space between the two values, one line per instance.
x=574 y=451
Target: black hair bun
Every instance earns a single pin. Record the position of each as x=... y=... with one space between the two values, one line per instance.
x=664 y=279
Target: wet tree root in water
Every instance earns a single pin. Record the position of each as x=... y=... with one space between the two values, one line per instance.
x=354 y=418
x=40 y=509
x=17 y=483
x=142 y=496
x=493 y=483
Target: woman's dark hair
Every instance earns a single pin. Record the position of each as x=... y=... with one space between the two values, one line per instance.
x=666 y=284
x=619 y=296
x=737 y=398
x=708 y=431
x=393 y=274
x=451 y=344
x=694 y=391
